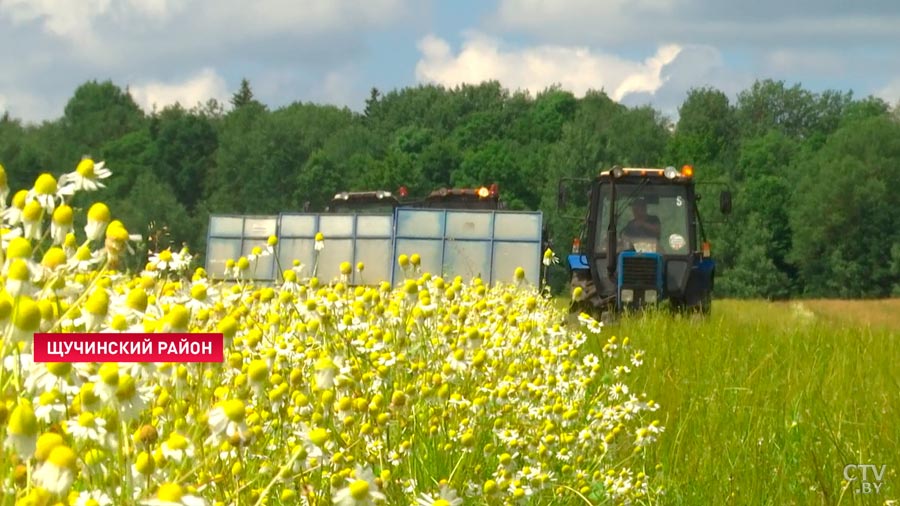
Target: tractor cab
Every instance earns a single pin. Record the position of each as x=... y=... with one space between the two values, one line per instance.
x=643 y=242
x=365 y=202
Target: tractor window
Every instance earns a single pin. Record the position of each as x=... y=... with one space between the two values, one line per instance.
x=651 y=217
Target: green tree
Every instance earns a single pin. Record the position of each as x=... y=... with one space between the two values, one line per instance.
x=97 y=113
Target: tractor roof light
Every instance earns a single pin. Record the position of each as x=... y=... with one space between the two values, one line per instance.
x=617 y=172
x=687 y=171
x=670 y=173
x=484 y=192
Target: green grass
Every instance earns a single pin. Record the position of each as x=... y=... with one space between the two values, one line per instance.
x=765 y=403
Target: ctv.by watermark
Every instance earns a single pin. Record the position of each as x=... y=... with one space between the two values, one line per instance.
x=864 y=478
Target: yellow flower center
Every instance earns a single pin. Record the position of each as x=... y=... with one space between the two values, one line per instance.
x=318 y=436
x=127 y=387
x=22 y=421
x=91 y=502
x=119 y=322
x=99 y=212
x=171 y=492
x=98 y=302
x=83 y=254
x=19 y=247
x=359 y=489
x=415 y=259
x=319 y=237
x=45 y=444
x=144 y=463
x=177 y=441
x=257 y=250
x=27 y=315
x=228 y=326
x=62 y=457
x=272 y=241
x=257 y=370
x=165 y=256
x=109 y=373
x=137 y=299
x=18 y=270
x=198 y=291
x=19 y=199
x=53 y=258
x=520 y=273
x=117 y=231
x=45 y=184
x=86 y=419
x=63 y=215
x=3 y=181
x=234 y=409
x=441 y=502
x=346 y=268
x=59 y=369
x=32 y=211
x=86 y=168
x=243 y=264
x=178 y=317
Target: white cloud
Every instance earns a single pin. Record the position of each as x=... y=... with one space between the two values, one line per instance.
x=890 y=92
x=577 y=69
x=199 y=88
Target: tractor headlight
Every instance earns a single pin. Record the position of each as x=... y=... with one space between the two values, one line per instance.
x=670 y=172
x=650 y=296
x=627 y=295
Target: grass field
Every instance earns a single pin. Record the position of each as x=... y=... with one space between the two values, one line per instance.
x=766 y=403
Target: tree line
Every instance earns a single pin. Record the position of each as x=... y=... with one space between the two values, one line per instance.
x=815 y=176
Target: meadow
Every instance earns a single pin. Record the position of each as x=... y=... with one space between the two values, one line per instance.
x=433 y=392
x=767 y=402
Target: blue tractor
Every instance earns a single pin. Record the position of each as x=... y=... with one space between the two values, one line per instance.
x=642 y=243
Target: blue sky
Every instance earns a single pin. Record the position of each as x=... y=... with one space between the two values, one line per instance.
x=335 y=51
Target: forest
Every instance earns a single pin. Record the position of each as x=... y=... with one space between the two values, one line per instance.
x=815 y=176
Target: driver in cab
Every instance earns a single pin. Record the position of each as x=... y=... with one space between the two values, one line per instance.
x=643 y=225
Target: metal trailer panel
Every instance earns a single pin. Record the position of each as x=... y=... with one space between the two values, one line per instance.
x=485 y=244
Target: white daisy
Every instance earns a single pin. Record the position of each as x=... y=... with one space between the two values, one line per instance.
x=86 y=176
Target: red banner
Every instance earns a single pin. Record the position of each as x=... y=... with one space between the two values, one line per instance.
x=137 y=347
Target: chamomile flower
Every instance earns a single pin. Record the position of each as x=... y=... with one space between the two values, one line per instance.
x=22 y=429
x=320 y=241
x=172 y=494
x=51 y=406
x=32 y=217
x=97 y=219
x=57 y=473
x=87 y=427
x=47 y=193
x=360 y=491
x=227 y=421
x=93 y=498
x=87 y=176
x=446 y=497
x=84 y=259
x=176 y=447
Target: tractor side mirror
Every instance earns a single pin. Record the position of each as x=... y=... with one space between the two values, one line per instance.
x=725 y=202
x=561 y=196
